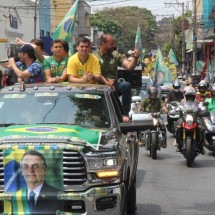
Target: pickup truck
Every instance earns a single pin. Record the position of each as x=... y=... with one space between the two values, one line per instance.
x=71 y=139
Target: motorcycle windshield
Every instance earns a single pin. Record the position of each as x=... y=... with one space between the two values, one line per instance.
x=212 y=117
x=190 y=107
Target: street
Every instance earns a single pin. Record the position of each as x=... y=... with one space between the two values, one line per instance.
x=167 y=186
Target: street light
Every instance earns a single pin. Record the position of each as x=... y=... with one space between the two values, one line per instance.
x=35 y=18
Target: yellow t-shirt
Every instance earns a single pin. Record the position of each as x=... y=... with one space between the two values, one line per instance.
x=76 y=68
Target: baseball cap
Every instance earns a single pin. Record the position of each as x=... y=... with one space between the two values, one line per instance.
x=27 y=48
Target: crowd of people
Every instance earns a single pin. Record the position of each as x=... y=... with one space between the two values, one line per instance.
x=84 y=67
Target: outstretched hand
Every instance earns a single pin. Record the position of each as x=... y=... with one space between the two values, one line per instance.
x=19 y=41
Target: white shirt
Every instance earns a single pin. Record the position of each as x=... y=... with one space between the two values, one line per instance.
x=36 y=191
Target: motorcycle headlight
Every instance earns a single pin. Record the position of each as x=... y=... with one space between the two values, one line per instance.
x=155 y=121
x=189 y=120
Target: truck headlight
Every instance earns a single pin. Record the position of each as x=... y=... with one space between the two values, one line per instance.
x=100 y=163
x=189 y=120
x=110 y=162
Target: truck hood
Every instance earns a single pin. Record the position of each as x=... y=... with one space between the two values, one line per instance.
x=51 y=132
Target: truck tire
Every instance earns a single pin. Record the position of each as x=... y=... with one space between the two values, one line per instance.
x=131 y=200
x=124 y=200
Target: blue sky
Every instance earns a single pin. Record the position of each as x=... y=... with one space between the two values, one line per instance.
x=157 y=7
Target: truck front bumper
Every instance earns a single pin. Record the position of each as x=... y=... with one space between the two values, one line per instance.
x=97 y=200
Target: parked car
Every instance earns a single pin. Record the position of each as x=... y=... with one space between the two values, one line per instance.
x=91 y=155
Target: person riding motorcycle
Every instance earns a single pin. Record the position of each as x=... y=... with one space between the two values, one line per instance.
x=190 y=96
x=202 y=93
x=175 y=94
x=153 y=104
x=211 y=101
x=196 y=78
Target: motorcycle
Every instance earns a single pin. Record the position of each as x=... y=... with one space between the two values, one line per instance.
x=153 y=138
x=209 y=124
x=191 y=137
x=172 y=117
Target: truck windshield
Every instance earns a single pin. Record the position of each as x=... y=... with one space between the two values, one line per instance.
x=81 y=109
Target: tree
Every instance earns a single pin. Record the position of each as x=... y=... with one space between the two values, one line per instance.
x=122 y=23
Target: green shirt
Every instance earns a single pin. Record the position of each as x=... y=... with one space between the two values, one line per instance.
x=151 y=105
x=211 y=105
x=56 y=67
x=109 y=63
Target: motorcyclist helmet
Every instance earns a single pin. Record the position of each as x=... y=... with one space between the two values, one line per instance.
x=202 y=86
x=187 y=88
x=176 y=85
x=153 y=92
x=198 y=75
x=212 y=91
x=190 y=94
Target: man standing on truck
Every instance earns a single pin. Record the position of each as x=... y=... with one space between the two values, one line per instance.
x=40 y=196
x=110 y=59
x=26 y=69
x=83 y=67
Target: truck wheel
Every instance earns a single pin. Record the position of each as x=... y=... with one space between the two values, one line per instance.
x=153 y=149
x=124 y=200
x=131 y=201
x=213 y=146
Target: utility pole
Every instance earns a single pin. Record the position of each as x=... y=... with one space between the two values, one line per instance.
x=194 y=37
x=35 y=19
x=183 y=34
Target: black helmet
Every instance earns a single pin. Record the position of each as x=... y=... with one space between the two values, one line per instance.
x=153 y=92
x=190 y=94
x=176 y=85
x=202 y=85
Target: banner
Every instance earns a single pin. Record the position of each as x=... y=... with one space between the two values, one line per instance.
x=210 y=71
x=162 y=72
x=138 y=42
x=27 y=169
x=172 y=57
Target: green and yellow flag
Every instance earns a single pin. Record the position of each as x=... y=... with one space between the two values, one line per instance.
x=64 y=30
x=138 y=42
x=162 y=72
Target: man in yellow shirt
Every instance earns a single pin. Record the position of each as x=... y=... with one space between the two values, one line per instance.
x=84 y=67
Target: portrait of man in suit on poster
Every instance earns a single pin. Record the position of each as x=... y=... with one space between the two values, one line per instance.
x=40 y=196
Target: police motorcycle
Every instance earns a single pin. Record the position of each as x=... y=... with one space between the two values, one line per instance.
x=189 y=130
x=155 y=137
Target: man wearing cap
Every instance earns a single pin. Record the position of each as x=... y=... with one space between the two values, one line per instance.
x=26 y=68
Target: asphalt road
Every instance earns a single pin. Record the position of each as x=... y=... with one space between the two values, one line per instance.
x=167 y=186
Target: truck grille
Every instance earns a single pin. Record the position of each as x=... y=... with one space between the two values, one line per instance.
x=74 y=171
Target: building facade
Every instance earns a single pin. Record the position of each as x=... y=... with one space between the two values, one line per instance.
x=17 y=19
